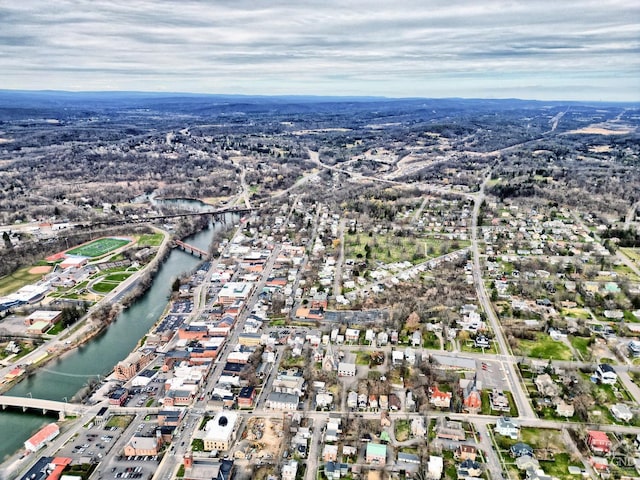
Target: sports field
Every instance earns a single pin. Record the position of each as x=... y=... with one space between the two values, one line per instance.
x=99 y=247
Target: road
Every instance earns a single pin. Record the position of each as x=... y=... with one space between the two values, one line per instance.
x=511 y=376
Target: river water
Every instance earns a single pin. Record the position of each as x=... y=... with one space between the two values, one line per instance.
x=62 y=378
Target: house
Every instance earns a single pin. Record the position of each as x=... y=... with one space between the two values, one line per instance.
x=440 y=399
x=418 y=428
x=324 y=399
x=599 y=464
x=351 y=335
x=499 y=401
x=408 y=458
x=521 y=449
x=606 y=374
x=564 y=409
x=598 y=441
x=469 y=468
x=527 y=462
x=330 y=453
x=289 y=470
x=394 y=402
x=416 y=338
x=481 y=342
x=346 y=369
x=464 y=452
x=376 y=454
x=546 y=386
x=507 y=427
x=621 y=412
x=634 y=348
x=282 y=401
x=352 y=399
x=435 y=466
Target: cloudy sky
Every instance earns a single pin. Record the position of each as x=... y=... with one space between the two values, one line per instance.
x=558 y=49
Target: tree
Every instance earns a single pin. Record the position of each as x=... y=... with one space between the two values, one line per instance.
x=413 y=322
x=176 y=285
x=7 y=240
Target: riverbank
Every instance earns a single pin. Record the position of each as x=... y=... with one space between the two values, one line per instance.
x=74 y=367
x=89 y=326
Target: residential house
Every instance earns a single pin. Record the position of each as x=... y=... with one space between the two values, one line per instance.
x=598 y=441
x=634 y=348
x=324 y=399
x=527 y=462
x=418 y=428
x=481 y=342
x=435 y=466
x=464 y=452
x=289 y=470
x=499 y=401
x=469 y=468
x=521 y=449
x=330 y=453
x=440 y=399
x=394 y=402
x=351 y=335
x=376 y=454
x=621 y=412
x=599 y=464
x=352 y=399
x=408 y=458
x=606 y=374
x=505 y=426
x=546 y=386
x=282 y=401
x=564 y=409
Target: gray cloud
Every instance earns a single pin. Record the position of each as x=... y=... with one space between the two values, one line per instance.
x=582 y=48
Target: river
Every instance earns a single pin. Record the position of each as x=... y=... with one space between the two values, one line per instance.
x=60 y=379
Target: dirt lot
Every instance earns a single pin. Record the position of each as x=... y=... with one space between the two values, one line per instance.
x=262 y=439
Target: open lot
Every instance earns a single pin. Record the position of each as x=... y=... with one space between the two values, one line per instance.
x=99 y=247
x=543 y=347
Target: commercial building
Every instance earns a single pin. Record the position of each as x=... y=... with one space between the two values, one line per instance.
x=44 y=435
x=220 y=431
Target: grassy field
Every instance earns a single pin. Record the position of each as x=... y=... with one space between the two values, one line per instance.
x=99 y=247
x=17 y=280
x=150 y=240
x=581 y=345
x=104 y=287
x=120 y=421
x=544 y=347
x=632 y=253
x=402 y=430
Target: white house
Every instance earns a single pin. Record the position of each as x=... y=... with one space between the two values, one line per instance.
x=606 y=374
x=507 y=427
x=622 y=412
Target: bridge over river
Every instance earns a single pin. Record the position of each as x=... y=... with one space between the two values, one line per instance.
x=45 y=406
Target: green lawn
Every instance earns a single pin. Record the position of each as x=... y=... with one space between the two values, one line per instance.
x=544 y=347
x=632 y=253
x=99 y=247
x=150 y=240
x=17 y=280
x=363 y=358
x=120 y=421
x=559 y=466
x=117 y=277
x=402 y=430
x=581 y=345
x=104 y=287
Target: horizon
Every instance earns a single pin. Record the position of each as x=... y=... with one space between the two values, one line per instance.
x=337 y=98
x=548 y=51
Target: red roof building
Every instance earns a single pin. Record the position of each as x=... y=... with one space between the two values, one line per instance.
x=45 y=434
x=598 y=441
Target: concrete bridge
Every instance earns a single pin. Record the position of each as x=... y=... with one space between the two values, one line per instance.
x=45 y=406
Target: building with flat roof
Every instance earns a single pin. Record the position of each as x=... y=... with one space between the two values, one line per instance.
x=376 y=454
x=220 y=431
